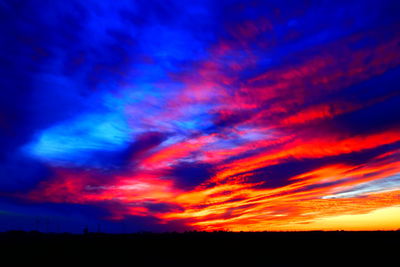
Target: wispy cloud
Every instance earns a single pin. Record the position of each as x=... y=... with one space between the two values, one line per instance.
x=228 y=115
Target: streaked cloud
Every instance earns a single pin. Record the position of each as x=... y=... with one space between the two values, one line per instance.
x=209 y=115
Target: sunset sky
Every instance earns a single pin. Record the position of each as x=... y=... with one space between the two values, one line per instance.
x=176 y=115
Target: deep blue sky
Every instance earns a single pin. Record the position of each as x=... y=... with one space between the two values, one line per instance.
x=175 y=115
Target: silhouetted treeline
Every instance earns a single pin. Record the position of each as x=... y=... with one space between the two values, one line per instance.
x=220 y=248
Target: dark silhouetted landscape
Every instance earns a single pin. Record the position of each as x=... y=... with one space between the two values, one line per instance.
x=317 y=248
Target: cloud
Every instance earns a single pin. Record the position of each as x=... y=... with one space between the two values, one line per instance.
x=210 y=115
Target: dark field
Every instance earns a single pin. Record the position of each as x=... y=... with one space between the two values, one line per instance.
x=202 y=249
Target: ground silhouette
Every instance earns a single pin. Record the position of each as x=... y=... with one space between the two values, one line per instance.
x=315 y=248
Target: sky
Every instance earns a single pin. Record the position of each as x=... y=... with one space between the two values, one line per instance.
x=174 y=115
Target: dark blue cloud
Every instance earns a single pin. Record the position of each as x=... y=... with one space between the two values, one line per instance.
x=19 y=173
x=188 y=175
x=377 y=118
x=279 y=175
x=88 y=86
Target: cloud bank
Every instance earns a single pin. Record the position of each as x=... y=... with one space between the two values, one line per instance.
x=209 y=115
